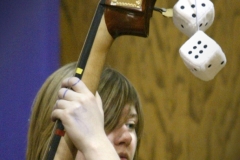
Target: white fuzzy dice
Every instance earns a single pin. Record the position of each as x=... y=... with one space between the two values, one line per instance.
x=189 y=17
x=203 y=56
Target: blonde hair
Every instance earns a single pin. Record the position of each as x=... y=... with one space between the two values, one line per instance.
x=41 y=125
x=115 y=91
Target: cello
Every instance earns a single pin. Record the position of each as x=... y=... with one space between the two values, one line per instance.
x=113 y=18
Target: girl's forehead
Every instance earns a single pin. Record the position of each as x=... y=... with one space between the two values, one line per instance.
x=129 y=111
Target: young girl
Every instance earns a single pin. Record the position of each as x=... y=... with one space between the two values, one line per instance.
x=112 y=136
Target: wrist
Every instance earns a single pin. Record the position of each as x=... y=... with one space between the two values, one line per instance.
x=101 y=148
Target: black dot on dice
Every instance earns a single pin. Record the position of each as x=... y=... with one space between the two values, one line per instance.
x=190 y=52
x=194 y=15
x=209 y=66
x=195 y=47
x=193 y=6
x=182 y=7
x=222 y=62
x=205 y=46
x=182 y=26
x=203 y=4
x=196 y=57
x=195 y=69
x=200 y=25
x=206 y=24
x=201 y=51
x=199 y=42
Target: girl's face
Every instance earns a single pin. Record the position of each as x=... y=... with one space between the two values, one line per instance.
x=123 y=137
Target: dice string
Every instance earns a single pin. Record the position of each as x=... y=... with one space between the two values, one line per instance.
x=197 y=15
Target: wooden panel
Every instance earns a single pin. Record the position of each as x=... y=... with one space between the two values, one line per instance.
x=185 y=118
x=75 y=19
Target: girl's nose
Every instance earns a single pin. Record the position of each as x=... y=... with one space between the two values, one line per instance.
x=124 y=136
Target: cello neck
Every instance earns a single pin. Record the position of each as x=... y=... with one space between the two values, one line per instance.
x=95 y=63
x=91 y=62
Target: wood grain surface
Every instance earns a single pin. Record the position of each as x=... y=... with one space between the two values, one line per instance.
x=185 y=118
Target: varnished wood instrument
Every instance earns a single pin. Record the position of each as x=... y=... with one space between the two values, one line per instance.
x=112 y=19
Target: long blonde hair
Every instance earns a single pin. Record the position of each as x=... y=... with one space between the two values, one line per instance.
x=115 y=91
x=41 y=126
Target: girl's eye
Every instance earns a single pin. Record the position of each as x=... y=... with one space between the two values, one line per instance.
x=131 y=125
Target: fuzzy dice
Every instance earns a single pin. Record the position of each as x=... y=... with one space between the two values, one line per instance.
x=192 y=15
x=203 y=56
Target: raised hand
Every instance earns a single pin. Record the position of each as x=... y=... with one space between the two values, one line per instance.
x=80 y=112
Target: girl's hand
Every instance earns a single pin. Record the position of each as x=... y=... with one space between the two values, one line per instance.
x=81 y=113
